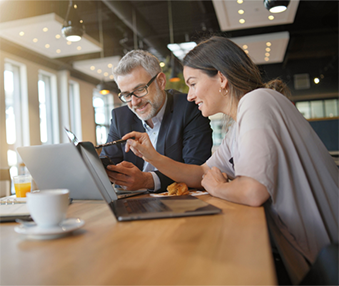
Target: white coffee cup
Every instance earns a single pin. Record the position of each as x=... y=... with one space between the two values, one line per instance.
x=48 y=208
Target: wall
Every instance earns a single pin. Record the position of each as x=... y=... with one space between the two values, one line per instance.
x=327 y=130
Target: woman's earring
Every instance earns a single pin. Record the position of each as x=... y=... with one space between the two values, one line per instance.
x=219 y=89
x=226 y=91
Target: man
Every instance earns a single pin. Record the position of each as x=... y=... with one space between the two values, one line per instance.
x=176 y=127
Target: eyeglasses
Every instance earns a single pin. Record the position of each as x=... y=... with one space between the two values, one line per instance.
x=138 y=92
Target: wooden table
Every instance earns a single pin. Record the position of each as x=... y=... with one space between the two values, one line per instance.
x=226 y=249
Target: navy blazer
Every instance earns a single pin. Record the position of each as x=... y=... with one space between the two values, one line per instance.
x=185 y=135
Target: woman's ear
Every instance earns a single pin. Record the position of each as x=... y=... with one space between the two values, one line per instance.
x=161 y=79
x=223 y=80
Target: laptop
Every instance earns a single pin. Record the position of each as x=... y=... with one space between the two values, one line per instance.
x=89 y=166
x=59 y=166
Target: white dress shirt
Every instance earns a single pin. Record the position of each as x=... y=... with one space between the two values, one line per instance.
x=153 y=135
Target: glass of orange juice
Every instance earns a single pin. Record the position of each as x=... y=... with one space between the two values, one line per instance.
x=22 y=185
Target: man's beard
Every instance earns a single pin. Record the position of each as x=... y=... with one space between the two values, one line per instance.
x=155 y=106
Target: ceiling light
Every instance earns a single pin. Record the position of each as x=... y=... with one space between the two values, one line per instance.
x=99 y=71
x=241 y=12
x=162 y=64
x=47 y=46
x=45 y=29
x=110 y=66
x=245 y=47
x=180 y=50
x=242 y=21
x=92 y=68
x=268 y=49
x=267 y=59
x=316 y=80
x=240 y=1
x=268 y=44
x=21 y=33
x=58 y=51
x=103 y=88
x=78 y=48
x=271 y=17
x=276 y=6
x=72 y=28
x=267 y=54
x=57 y=36
x=35 y=40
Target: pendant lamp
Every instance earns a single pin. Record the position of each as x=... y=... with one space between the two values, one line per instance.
x=73 y=28
x=276 y=6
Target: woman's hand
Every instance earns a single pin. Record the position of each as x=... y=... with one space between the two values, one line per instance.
x=141 y=145
x=213 y=180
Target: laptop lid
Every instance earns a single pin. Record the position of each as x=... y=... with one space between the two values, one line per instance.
x=61 y=166
x=142 y=208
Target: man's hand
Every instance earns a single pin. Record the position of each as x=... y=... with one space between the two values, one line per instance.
x=129 y=176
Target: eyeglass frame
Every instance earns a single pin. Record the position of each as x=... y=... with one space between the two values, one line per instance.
x=120 y=95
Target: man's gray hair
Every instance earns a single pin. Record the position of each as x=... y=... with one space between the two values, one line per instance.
x=135 y=59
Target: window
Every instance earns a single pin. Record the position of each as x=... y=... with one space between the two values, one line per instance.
x=17 y=127
x=48 y=109
x=74 y=108
x=103 y=105
x=326 y=108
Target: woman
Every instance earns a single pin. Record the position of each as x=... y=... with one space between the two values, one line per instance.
x=276 y=158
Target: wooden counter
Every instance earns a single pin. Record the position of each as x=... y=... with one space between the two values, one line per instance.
x=226 y=249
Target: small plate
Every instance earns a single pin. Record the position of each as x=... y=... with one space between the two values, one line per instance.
x=34 y=232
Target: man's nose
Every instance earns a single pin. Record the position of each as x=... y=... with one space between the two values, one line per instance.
x=135 y=100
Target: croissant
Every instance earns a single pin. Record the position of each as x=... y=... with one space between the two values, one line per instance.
x=178 y=189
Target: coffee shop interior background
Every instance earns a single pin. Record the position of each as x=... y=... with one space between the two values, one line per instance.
x=49 y=82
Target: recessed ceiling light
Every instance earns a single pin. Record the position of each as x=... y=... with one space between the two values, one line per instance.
x=35 y=40
x=246 y=51
x=268 y=44
x=47 y=46
x=111 y=76
x=81 y=21
x=245 y=47
x=267 y=59
x=45 y=29
x=58 y=51
x=267 y=54
x=78 y=48
x=106 y=74
x=69 y=43
x=240 y=1
x=75 y=6
x=99 y=71
x=271 y=17
x=22 y=33
x=242 y=21
x=316 y=80
x=92 y=68
x=241 y=12
x=110 y=65
x=57 y=36
x=268 y=49
x=162 y=64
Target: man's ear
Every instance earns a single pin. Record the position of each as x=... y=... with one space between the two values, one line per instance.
x=161 y=80
x=223 y=80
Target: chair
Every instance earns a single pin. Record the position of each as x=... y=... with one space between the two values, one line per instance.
x=324 y=270
x=5 y=176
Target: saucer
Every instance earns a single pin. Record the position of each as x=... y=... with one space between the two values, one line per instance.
x=35 y=232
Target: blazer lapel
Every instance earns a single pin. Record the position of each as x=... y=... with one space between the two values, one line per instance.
x=165 y=124
x=137 y=161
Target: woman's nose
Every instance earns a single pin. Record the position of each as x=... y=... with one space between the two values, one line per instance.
x=190 y=96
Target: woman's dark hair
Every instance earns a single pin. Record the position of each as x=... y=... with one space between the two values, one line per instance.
x=221 y=54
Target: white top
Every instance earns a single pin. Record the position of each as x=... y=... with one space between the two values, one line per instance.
x=273 y=143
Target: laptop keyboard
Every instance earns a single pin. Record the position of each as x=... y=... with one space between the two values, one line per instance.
x=145 y=205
